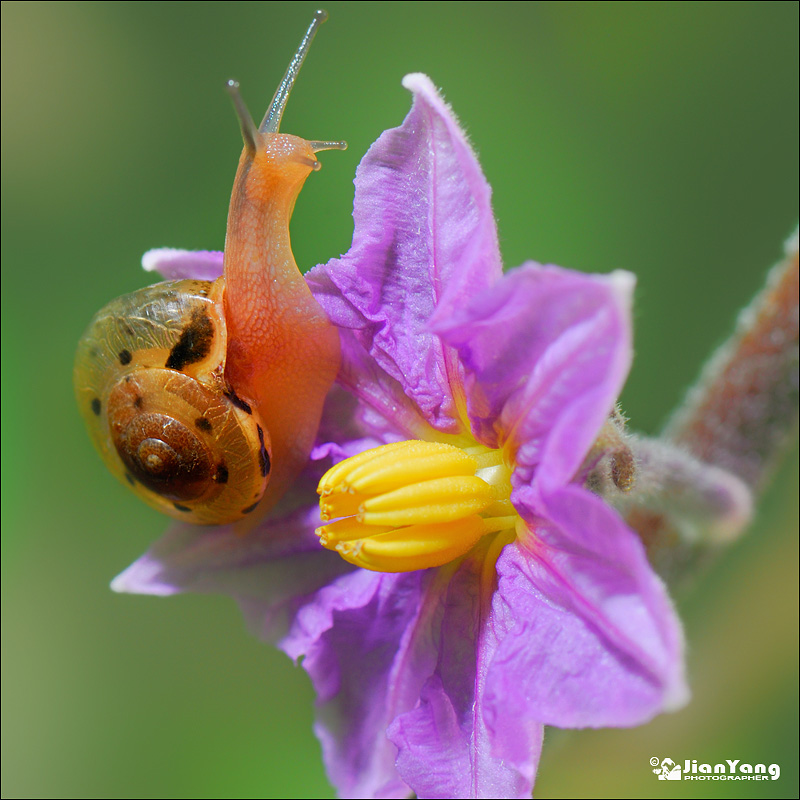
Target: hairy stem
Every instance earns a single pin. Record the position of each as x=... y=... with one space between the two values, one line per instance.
x=692 y=490
x=742 y=413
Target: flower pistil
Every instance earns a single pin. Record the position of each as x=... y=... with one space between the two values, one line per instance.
x=412 y=505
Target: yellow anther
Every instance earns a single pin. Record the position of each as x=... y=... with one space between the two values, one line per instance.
x=416 y=547
x=440 y=500
x=413 y=505
x=334 y=475
x=426 y=461
x=340 y=504
x=347 y=530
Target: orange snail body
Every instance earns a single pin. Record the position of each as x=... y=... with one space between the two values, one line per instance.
x=206 y=396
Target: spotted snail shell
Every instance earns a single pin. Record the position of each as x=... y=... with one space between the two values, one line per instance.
x=149 y=379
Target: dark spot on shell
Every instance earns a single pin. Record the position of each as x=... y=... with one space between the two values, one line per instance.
x=203 y=424
x=125 y=357
x=127 y=379
x=238 y=402
x=131 y=480
x=263 y=456
x=138 y=401
x=127 y=328
x=181 y=508
x=194 y=343
x=94 y=352
x=249 y=508
x=222 y=474
x=96 y=405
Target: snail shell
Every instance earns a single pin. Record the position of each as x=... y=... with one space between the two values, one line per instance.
x=150 y=384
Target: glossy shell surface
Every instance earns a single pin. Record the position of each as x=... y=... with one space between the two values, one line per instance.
x=150 y=384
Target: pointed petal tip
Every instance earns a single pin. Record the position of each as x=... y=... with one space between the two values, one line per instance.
x=622 y=284
x=419 y=83
x=142 y=577
x=623 y=280
x=118 y=584
x=423 y=88
x=152 y=258
x=176 y=264
x=121 y=584
x=677 y=697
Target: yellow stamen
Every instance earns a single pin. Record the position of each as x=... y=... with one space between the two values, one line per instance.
x=413 y=505
x=346 y=530
x=416 y=547
x=340 y=504
x=334 y=474
x=422 y=463
x=441 y=500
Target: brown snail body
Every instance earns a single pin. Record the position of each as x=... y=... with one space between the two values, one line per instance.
x=206 y=396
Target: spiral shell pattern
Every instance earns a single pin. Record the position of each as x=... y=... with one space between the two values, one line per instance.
x=150 y=383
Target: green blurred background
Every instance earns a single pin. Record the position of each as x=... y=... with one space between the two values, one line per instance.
x=655 y=137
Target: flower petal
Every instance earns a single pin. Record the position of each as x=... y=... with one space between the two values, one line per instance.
x=546 y=352
x=175 y=265
x=365 y=647
x=270 y=568
x=425 y=239
x=448 y=746
x=268 y=571
x=592 y=638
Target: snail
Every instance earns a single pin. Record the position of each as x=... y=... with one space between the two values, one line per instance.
x=206 y=396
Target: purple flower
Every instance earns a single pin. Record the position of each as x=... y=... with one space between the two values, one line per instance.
x=507 y=596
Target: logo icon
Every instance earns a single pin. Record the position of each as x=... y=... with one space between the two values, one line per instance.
x=732 y=770
x=667 y=770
